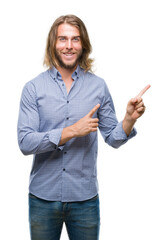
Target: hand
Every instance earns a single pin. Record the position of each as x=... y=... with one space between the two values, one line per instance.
x=136 y=107
x=81 y=128
x=86 y=124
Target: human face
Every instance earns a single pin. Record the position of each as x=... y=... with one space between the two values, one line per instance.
x=68 y=46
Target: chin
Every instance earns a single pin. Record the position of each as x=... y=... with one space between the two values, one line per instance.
x=68 y=65
x=72 y=66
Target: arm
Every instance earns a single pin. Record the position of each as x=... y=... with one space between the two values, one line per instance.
x=30 y=139
x=112 y=130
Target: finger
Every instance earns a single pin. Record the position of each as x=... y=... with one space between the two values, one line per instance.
x=133 y=101
x=138 y=101
x=138 y=105
x=94 y=120
x=141 y=110
x=143 y=91
x=95 y=125
x=90 y=114
x=94 y=130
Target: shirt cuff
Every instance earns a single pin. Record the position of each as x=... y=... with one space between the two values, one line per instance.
x=55 y=137
x=119 y=133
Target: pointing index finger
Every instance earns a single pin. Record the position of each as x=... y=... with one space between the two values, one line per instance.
x=143 y=91
x=90 y=114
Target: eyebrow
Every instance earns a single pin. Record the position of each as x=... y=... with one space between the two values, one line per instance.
x=67 y=36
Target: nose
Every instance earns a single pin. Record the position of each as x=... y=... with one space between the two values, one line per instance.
x=69 y=44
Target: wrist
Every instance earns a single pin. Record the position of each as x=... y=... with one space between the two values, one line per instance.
x=73 y=131
x=128 y=119
x=128 y=124
x=67 y=134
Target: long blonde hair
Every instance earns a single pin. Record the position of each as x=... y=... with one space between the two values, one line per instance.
x=50 y=59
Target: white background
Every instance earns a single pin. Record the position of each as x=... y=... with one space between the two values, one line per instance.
x=130 y=45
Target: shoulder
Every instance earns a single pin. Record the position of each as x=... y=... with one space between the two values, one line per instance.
x=40 y=78
x=93 y=78
x=37 y=81
x=31 y=88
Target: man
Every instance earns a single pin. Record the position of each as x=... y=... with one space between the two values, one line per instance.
x=60 y=112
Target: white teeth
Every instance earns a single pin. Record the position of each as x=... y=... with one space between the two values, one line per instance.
x=68 y=54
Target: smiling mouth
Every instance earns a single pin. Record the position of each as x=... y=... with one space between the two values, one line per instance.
x=69 y=53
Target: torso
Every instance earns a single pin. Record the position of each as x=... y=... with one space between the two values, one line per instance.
x=68 y=84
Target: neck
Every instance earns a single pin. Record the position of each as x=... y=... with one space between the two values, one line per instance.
x=66 y=73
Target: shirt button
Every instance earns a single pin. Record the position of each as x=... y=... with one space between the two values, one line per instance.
x=65 y=152
x=63 y=169
x=67 y=101
x=67 y=118
x=62 y=84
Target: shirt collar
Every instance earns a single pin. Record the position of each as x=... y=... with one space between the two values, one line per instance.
x=54 y=73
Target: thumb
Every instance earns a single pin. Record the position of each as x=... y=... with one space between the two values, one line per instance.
x=133 y=101
x=90 y=114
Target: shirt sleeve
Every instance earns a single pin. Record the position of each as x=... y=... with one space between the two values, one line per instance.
x=111 y=130
x=30 y=139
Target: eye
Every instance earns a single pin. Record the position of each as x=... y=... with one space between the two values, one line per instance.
x=62 y=39
x=76 y=39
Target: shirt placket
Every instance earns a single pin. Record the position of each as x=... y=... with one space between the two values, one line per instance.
x=65 y=150
x=65 y=156
x=65 y=153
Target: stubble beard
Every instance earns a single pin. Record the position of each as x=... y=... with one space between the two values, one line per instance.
x=62 y=64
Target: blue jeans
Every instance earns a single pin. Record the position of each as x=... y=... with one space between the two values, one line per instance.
x=82 y=219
